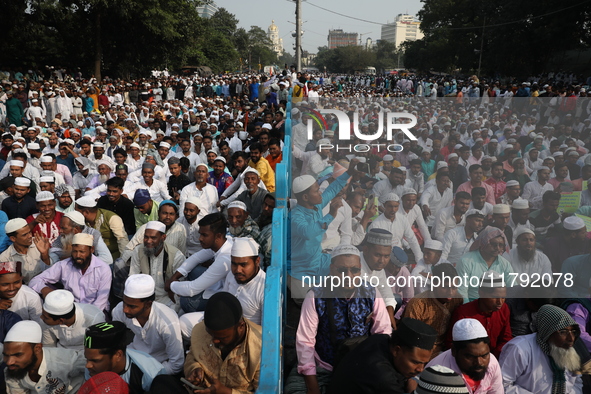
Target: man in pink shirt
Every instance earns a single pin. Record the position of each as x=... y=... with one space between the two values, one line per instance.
x=476 y=174
x=332 y=315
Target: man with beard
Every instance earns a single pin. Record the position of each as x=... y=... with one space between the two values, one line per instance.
x=98 y=149
x=218 y=177
x=241 y=224
x=471 y=358
x=525 y=258
x=31 y=368
x=512 y=192
x=395 y=183
x=20 y=204
x=84 y=275
x=73 y=223
x=46 y=222
x=115 y=201
x=190 y=221
x=156 y=326
x=16 y=297
x=224 y=341
x=519 y=217
x=259 y=163
x=457 y=241
x=105 y=349
x=246 y=281
x=207 y=194
x=254 y=195
x=83 y=176
x=105 y=172
x=452 y=216
x=265 y=223
x=185 y=151
x=146 y=209
x=386 y=363
x=501 y=214
x=240 y=160
x=534 y=190
x=206 y=270
x=571 y=242
x=177 y=180
x=544 y=362
x=489 y=309
x=476 y=174
x=157 y=258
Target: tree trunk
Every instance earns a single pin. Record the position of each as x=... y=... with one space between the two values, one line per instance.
x=98 y=55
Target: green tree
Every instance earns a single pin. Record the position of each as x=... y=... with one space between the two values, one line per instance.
x=344 y=59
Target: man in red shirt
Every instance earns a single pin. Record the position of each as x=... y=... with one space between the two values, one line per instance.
x=490 y=310
x=275 y=155
x=47 y=221
x=496 y=181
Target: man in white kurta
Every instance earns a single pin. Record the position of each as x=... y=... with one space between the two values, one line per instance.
x=207 y=194
x=526 y=259
x=526 y=360
x=435 y=200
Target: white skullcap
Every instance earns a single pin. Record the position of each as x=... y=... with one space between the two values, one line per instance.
x=106 y=163
x=98 y=145
x=220 y=158
x=14 y=224
x=344 y=249
x=402 y=168
x=442 y=164
x=322 y=141
x=433 y=244
x=492 y=279
x=474 y=212
x=47 y=178
x=452 y=155
x=267 y=126
x=33 y=146
x=468 y=329
x=156 y=225
x=20 y=181
x=458 y=146
x=16 y=163
x=46 y=159
x=509 y=146
x=523 y=230
x=557 y=153
x=44 y=196
x=245 y=247
x=201 y=165
x=573 y=223
x=237 y=204
x=83 y=239
x=59 y=302
x=26 y=331
x=139 y=286
x=76 y=217
x=193 y=200
x=302 y=183
x=501 y=208
x=520 y=203
x=86 y=201
x=135 y=145
x=250 y=169
x=408 y=191
x=543 y=168
x=390 y=197
x=512 y=183
x=388 y=158
x=69 y=141
x=164 y=145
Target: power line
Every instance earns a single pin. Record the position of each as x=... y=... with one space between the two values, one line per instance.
x=346 y=16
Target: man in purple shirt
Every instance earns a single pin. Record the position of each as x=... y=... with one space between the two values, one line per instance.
x=580 y=310
x=83 y=274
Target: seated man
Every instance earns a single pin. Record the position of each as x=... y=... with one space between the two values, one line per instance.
x=145 y=209
x=205 y=270
x=457 y=241
x=31 y=251
x=83 y=274
x=241 y=224
x=31 y=368
x=65 y=195
x=47 y=221
x=16 y=297
x=544 y=362
x=156 y=326
x=471 y=358
x=400 y=279
x=580 y=310
x=265 y=223
x=385 y=364
x=526 y=259
x=225 y=353
x=190 y=221
x=571 y=242
x=246 y=281
x=20 y=204
x=330 y=316
x=66 y=321
x=105 y=349
x=157 y=258
x=435 y=307
x=71 y=224
x=500 y=219
x=254 y=195
x=115 y=201
x=546 y=221
x=452 y=216
x=490 y=309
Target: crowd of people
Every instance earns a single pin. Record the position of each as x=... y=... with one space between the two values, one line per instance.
x=137 y=223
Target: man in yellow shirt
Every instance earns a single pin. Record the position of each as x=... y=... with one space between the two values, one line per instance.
x=259 y=163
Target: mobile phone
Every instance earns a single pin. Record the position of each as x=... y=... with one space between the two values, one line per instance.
x=191 y=385
x=363 y=167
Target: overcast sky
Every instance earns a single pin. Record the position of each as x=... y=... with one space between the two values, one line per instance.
x=317 y=22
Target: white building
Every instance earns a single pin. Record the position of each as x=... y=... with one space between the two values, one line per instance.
x=273 y=34
x=207 y=10
x=404 y=28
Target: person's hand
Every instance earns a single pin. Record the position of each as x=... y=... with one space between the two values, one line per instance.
x=171 y=295
x=411 y=385
x=352 y=164
x=42 y=243
x=335 y=204
x=40 y=219
x=370 y=212
x=5 y=304
x=426 y=210
x=196 y=376
x=216 y=388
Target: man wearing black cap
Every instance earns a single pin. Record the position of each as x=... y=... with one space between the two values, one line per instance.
x=385 y=364
x=105 y=349
x=225 y=353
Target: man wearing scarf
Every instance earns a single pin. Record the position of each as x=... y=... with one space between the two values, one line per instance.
x=545 y=362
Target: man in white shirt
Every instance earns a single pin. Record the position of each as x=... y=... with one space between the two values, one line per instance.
x=451 y=217
x=316 y=161
x=156 y=326
x=192 y=214
x=395 y=183
x=534 y=190
x=526 y=259
x=519 y=216
x=457 y=241
x=246 y=282
x=436 y=197
x=207 y=194
x=66 y=321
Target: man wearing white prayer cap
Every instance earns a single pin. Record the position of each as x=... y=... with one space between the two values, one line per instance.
x=83 y=176
x=432 y=256
x=501 y=215
x=512 y=192
x=32 y=368
x=47 y=183
x=396 y=183
x=520 y=216
x=571 y=241
x=148 y=258
x=190 y=220
x=21 y=204
x=525 y=258
x=470 y=357
x=46 y=222
x=84 y=275
x=156 y=326
x=241 y=224
x=490 y=309
x=316 y=357
x=66 y=321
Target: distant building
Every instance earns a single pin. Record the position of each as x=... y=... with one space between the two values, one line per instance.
x=338 y=38
x=273 y=34
x=404 y=28
x=207 y=10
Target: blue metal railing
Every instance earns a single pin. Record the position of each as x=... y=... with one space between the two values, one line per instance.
x=274 y=309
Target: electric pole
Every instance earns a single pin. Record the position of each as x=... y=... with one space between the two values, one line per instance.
x=298 y=36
